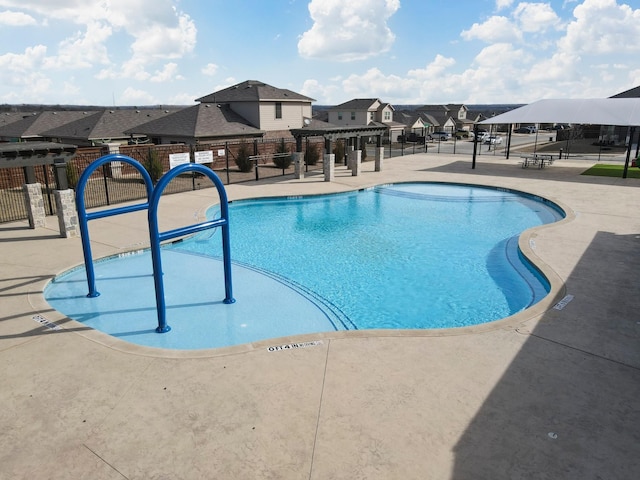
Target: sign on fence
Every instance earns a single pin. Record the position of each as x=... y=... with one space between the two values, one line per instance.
x=204 y=157
x=176 y=159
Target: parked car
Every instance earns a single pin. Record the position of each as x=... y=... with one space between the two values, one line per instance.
x=410 y=138
x=492 y=140
x=443 y=136
x=528 y=129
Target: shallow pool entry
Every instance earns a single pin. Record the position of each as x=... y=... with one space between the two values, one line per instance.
x=401 y=256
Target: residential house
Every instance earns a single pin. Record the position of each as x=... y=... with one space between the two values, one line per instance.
x=31 y=126
x=367 y=111
x=107 y=127
x=247 y=110
x=418 y=124
x=447 y=118
x=202 y=123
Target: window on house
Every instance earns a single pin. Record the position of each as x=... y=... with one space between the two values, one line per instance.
x=353 y=115
x=387 y=115
x=371 y=116
x=339 y=115
x=278 y=109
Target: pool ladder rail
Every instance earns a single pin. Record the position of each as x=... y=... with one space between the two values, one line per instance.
x=155 y=236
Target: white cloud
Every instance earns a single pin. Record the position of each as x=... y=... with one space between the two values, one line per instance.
x=165 y=41
x=168 y=73
x=500 y=4
x=432 y=70
x=154 y=28
x=494 y=29
x=602 y=27
x=347 y=31
x=536 y=17
x=22 y=63
x=373 y=83
x=83 y=50
x=132 y=96
x=16 y=19
x=183 y=99
x=210 y=69
x=561 y=67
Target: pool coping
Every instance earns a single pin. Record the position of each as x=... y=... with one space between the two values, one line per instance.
x=513 y=322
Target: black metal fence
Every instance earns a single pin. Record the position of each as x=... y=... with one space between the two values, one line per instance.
x=118 y=182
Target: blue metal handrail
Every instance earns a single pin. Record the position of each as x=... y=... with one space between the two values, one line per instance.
x=156 y=237
x=84 y=217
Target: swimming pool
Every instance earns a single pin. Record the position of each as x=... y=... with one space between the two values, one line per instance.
x=402 y=256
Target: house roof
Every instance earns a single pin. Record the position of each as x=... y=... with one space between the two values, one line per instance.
x=357 y=104
x=199 y=121
x=631 y=93
x=594 y=111
x=253 y=91
x=410 y=117
x=33 y=125
x=107 y=124
x=9 y=117
x=442 y=109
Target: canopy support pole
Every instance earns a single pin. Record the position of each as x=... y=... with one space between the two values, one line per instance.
x=626 y=161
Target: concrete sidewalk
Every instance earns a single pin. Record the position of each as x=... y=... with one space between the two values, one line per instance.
x=548 y=393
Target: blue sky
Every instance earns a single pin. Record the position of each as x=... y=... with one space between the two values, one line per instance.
x=150 y=52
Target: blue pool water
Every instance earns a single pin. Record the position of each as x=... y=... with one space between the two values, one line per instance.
x=401 y=256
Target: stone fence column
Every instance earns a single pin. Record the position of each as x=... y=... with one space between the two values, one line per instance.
x=34 y=202
x=355 y=162
x=379 y=158
x=329 y=166
x=67 y=214
x=298 y=165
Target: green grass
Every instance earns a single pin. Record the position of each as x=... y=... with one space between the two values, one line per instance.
x=604 y=170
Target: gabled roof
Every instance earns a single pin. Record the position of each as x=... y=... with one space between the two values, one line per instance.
x=631 y=93
x=10 y=117
x=410 y=117
x=358 y=104
x=33 y=125
x=456 y=106
x=433 y=108
x=199 y=121
x=107 y=124
x=253 y=91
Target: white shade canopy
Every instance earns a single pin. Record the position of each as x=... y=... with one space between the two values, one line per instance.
x=594 y=111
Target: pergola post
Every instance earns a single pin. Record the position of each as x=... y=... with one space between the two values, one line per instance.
x=379 y=153
x=328 y=161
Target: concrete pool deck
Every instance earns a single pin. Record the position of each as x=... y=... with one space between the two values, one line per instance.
x=548 y=393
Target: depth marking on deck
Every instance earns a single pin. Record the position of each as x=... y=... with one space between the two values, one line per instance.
x=277 y=348
x=563 y=303
x=46 y=323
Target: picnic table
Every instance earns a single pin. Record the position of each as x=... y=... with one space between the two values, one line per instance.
x=539 y=160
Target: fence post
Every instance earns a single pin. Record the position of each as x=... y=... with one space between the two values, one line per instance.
x=226 y=153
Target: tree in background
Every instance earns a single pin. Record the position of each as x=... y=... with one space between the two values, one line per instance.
x=311 y=155
x=243 y=159
x=153 y=165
